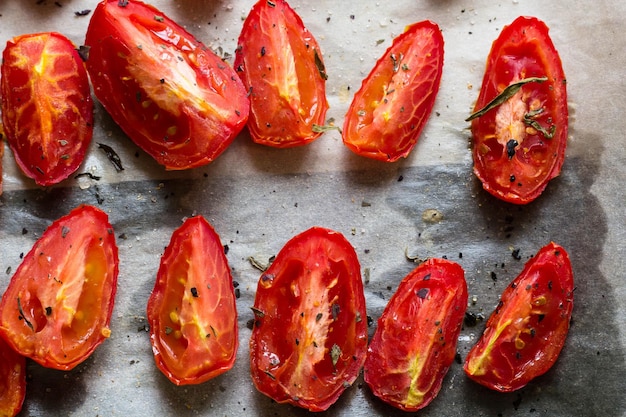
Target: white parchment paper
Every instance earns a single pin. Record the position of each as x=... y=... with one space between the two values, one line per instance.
x=257 y=198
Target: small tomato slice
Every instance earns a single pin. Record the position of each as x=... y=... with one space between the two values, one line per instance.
x=47 y=109
x=415 y=341
x=280 y=63
x=12 y=380
x=527 y=330
x=191 y=311
x=389 y=112
x=309 y=339
x=519 y=145
x=175 y=98
x=57 y=307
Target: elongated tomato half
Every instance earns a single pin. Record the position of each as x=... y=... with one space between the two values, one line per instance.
x=171 y=95
x=191 y=311
x=57 y=307
x=47 y=109
x=415 y=341
x=12 y=380
x=389 y=112
x=309 y=339
x=281 y=65
x=528 y=328
x=519 y=145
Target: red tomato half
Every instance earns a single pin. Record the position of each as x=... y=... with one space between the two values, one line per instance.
x=191 y=311
x=526 y=332
x=388 y=113
x=173 y=97
x=47 y=109
x=415 y=341
x=58 y=305
x=519 y=145
x=280 y=63
x=310 y=334
x=12 y=380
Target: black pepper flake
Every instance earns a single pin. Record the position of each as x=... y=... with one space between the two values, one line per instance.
x=540 y=318
x=112 y=155
x=122 y=3
x=320 y=65
x=48 y=311
x=494 y=277
x=370 y=321
x=263 y=51
x=515 y=254
x=457 y=358
x=550 y=285
x=83 y=12
x=470 y=319
x=512 y=178
x=426 y=277
x=237 y=293
x=510 y=148
x=318 y=317
x=194 y=292
x=422 y=293
x=226 y=249
x=400 y=178
x=335 y=310
x=64 y=231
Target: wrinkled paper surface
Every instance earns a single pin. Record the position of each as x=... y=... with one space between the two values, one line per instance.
x=257 y=198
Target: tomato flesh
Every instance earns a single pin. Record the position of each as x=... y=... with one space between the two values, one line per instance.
x=173 y=97
x=281 y=65
x=526 y=332
x=389 y=112
x=310 y=335
x=57 y=307
x=520 y=145
x=47 y=109
x=12 y=380
x=415 y=341
x=191 y=311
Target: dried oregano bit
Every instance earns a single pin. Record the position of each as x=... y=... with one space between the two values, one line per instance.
x=335 y=354
x=506 y=94
x=258 y=313
x=320 y=65
x=529 y=120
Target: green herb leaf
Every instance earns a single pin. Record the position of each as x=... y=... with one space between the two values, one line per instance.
x=506 y=94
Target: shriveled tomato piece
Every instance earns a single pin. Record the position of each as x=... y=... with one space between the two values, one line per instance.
x=175 y=98
x=47 y=109
x=281 y=65
x=415 y=341
x=309 y=339
x=12 y=380
x=527 y=330
x=519 y=144
x=191 y=311
x=390 y=110
x=57 y=307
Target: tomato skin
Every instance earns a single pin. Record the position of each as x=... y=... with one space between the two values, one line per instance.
x=310 y=312
x=526 y=332
x=57 y=307
x=415 y=341
x=12 y=380
x=523 y=50
x=191 y=311
x=280 y=63
x=47 y=110
x=175 y=98
x=389 y=112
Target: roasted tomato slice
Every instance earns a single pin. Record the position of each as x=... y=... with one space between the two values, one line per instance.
x=57 y=307
x=173 y=97
x=527 y=330
x=390 y=110
x=309 y=339
x=12 y=380
x=519 y=143
x=191 y=311
x=415 y=341
x=47 y=109
x=280 y=63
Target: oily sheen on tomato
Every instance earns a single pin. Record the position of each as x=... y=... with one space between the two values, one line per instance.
x=519 y=145
x=47 y=109
x=389 y=112
x=175 y=98
x=415 y=341
x=281 y=65
x=309 y=338
x=57 y=307
x=12 y=380
x=527 y=330
x=191 y=311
